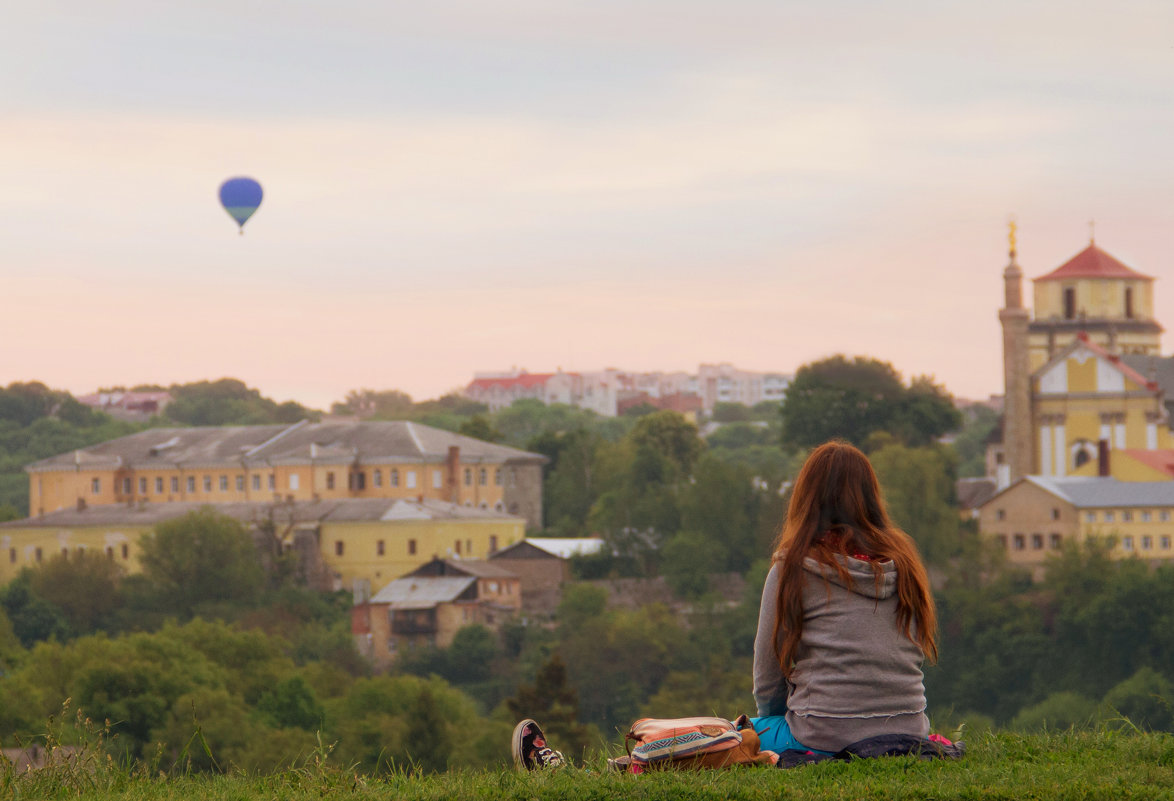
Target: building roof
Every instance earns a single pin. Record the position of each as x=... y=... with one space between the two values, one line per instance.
x=335 y=442
x=1096 y=492
x=1092 y=262
x=477 y=568
x=526 y=380
x=339 y=510
x=1159 y=369
x=974 y=492
x=566 y=547
x=422 y=592
x=1160 y=460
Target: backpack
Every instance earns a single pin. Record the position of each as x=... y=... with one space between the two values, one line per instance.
x=693 y=744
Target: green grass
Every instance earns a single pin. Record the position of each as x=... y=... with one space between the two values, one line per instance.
x=1068 y=765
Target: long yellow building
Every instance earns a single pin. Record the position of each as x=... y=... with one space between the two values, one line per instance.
x=353 y=544
x=300 y=462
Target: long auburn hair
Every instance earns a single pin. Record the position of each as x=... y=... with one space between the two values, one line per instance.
x=836 y=508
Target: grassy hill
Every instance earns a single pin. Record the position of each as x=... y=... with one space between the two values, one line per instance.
x=1069 y=765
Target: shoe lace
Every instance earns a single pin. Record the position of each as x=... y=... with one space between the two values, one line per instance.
x=548 y=757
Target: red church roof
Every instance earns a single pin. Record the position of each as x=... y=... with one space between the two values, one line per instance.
x=1092 y=262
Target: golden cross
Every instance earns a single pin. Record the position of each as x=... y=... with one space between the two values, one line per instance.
x=1011 y=234
x=1092 y=232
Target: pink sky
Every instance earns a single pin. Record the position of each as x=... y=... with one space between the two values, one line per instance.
x=561 y=185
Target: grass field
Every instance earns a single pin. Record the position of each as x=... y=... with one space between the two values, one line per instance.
x=1071 y=765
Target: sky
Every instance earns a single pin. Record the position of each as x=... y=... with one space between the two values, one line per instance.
x=459 y=185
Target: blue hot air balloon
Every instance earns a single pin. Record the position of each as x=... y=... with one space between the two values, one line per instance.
x=240 y=198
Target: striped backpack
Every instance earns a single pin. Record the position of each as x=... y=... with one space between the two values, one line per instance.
x=694 y=743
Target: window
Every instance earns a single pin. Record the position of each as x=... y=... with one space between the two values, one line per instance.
x=1108 y=517
x=411 y=547
x=1127 y=542
x=224 y=483
x=1069 y=303
x=483 y=505
x=499 y=507
x=125 y=551
x=497 y=477
x=294 y=481
x=469 y=547
x=493 y=543
x=256 y=481
x=1127 y=516
x=11 y=554
x=377 y=477
x=1020 y=542
x=330 y=481
x=1002 y=541
x=468 y=476
x=437 y=479
x=1056 y=539
x=456 y=546
x=411 y=479
x=1147 y=542
x=1090 y=517
x=126 y=486
x=393 y=477
x=1000 y=514
x=175 y=483
x=191 y=483
x=1037 y=542
x=483 y=477
x=272 y=481
x=1146 y=516
x=1055 y=514
x=338 y=548
x=95 y=485
x=110 y=552
x=158 y=485
x=142 y=485
x=379 y=548
x=37 y=554
x=207 y=483
x=358 y=480
x=1164 y=515
x=1128 y=303
x=240 y=483
x=1165 y=542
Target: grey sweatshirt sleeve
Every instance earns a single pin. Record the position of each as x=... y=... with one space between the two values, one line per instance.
x=770 y=688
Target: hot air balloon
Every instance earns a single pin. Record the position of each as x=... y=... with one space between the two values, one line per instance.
x=240 y=198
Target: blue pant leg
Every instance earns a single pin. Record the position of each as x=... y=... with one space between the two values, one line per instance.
x=774 y=734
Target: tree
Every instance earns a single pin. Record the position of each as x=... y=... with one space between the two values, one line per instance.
x=1145 y=699
x=291 y=703
x=429 y=743
x=918 y=486
x=388 y=404
x=687 y=560
x=553 y=701
x=836 y=397
x=731 y=413
x=84 y=587
x=978 y=423
x=22 y=403
x=479 y=427
x=202 y=557
x=229 y=401
x=33 y=618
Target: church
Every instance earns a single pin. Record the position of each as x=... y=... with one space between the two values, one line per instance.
x=1087 y=392
x=1086 y=447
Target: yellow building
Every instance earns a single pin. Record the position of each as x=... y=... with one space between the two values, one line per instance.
x=1038 y=516
x=300 y=462
x=1096 y=295
x=1086 y=391
x=346 y=543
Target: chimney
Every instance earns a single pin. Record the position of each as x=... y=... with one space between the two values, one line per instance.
x=1103 y=458
x=454 y=469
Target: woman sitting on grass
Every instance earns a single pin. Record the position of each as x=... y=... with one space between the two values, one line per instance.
x=846 y=620
x=847 y=616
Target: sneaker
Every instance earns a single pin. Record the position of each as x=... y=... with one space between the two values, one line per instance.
x=530 y=749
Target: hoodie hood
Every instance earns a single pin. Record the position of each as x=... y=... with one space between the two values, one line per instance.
x=862 y=577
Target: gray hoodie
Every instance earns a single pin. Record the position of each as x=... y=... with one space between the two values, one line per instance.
x=856 y=675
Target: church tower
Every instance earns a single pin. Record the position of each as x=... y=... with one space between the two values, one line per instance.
x=1018 y=458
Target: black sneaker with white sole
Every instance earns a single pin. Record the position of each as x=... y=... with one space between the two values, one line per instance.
x=530 y=749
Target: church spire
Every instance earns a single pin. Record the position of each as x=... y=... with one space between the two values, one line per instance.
x=1017 y=437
